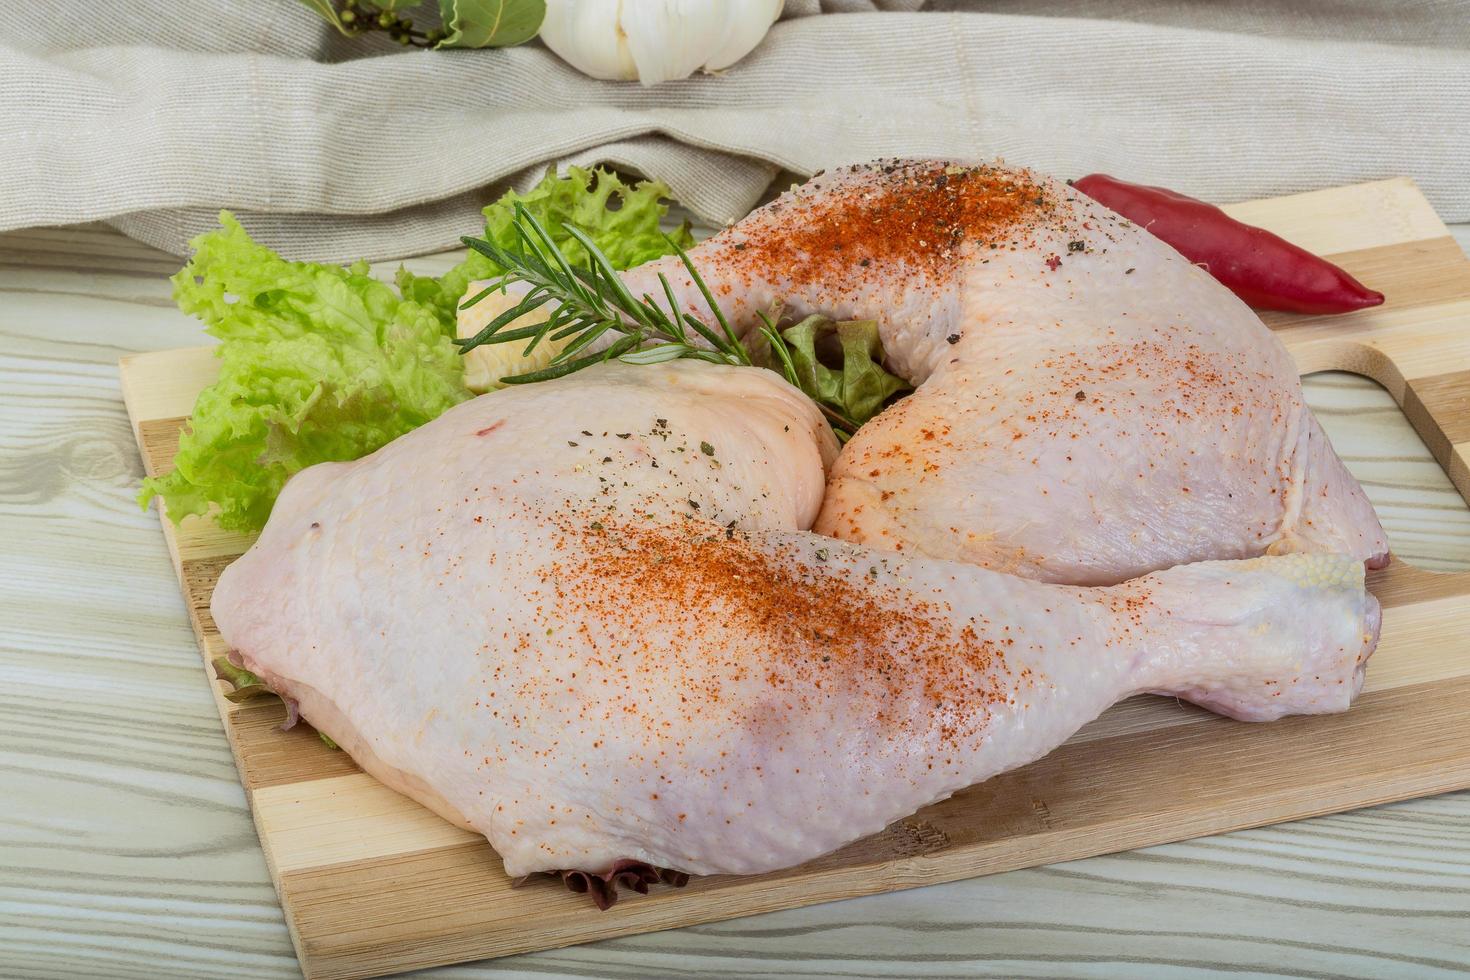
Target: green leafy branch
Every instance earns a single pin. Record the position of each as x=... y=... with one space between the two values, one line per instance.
x=465 y=23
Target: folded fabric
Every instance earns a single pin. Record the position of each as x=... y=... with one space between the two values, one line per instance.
x=335 y=148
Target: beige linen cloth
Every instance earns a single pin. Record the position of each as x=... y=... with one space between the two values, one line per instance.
x=154 y=115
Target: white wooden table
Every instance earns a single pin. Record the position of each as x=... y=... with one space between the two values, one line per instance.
x=126 y=849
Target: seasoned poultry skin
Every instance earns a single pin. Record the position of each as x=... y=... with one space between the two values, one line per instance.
x=585 y=618
x=1090 y=405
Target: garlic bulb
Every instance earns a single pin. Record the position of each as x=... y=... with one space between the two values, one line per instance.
x=655 y=40
x=485 y=365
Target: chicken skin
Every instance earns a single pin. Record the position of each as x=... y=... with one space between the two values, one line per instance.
x=1090 y=406
x=586 y=618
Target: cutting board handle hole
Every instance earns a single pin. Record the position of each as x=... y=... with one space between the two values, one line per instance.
x=1435 y=407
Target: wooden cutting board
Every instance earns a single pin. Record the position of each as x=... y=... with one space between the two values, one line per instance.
x=372 y=883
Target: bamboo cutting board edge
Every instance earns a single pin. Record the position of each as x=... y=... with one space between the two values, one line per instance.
x=397 y=906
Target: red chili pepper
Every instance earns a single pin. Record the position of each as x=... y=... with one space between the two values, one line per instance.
x=1265 y=270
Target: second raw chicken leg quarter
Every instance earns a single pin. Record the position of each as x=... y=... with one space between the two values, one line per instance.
x=1090 y=406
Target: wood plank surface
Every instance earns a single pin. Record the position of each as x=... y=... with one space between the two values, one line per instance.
x=372 y=883
x=126 y=845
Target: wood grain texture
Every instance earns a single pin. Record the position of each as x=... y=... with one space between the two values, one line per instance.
x=125 y=849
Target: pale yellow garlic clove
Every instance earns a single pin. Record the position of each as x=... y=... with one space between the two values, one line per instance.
x=485 y=365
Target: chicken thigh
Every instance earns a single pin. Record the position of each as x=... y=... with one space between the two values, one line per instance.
x=1090 y=405
x=585 y=618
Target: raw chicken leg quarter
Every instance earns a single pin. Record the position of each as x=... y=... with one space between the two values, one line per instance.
x=1090 y=405
x=586 y=619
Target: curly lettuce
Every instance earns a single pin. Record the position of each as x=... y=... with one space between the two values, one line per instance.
x=623 y=219
x=838 y=365
x=857 y=390
x=317 y=363
x=325 y=363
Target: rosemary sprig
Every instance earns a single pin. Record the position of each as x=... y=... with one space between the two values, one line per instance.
x=592 y=301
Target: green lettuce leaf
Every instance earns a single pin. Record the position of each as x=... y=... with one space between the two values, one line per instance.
x=856 y=390
x=321 y=363
x=622 y=219
x=243 y=684
x=317 y=363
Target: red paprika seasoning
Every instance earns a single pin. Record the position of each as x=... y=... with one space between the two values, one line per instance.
x=1265 y=270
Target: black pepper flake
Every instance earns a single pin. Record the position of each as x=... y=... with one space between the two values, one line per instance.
x=1081 y=396
x=739 y=246
x=595 y=525
x=865 y=263
x=707 y=449
x=586 y=433
x=693 y=504
x=624 y=435
x=571 y=443
x=1127 y=272
x=607 y=459
x=953 y=338
x=1076 y=246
